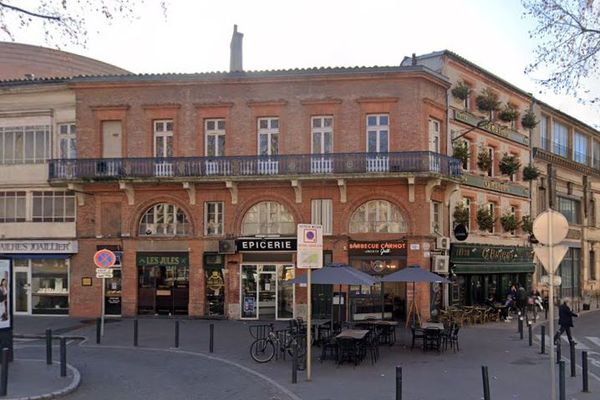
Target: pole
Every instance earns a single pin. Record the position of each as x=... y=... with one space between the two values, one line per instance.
x=135 y=332
x=551 y=310
x=572 y=357
x=295 y=362
x=486 y=382
x=382 y=303
x=211 y=345
x=520 y=326
x=398 y=383
x=98 y=330
x=530 y=334
x=49 y=346
x=584 y=373
x=561 y=381
x=4 y=377
x=176 y=334
x=543 y=340
x=102 y=302
x=308 y=328
x=558 y=352
x=63 y=357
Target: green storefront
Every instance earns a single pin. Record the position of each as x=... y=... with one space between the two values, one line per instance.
x=482 y=271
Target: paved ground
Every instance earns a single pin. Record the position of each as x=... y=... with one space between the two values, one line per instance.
x=155 y=370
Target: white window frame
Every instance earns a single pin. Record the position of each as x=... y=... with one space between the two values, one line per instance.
x=215 y=132
x=378 y=128
x=56 y=201
x=492 y=210
x=467 y=204
x=434 y=126
x=360 y=220
x=544 y=137
x=437 y=217
x=322 y=214
x=67 y=134
x=580 y=142
x=170 y=225
x=165 y=133
x=270 y=130
x=322 y=130
x=13 y=206
x=214 y=226
x=27 y=133
x=270 y=214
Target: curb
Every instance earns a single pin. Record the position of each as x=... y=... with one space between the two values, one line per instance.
x=58 y=393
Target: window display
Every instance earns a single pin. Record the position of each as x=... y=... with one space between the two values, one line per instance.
x=49 y=286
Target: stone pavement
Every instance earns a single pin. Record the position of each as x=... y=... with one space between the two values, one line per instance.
x=115 y=367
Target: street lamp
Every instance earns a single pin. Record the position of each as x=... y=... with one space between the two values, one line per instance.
x=479 y=125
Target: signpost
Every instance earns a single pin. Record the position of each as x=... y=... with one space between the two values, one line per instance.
x=104 y=259
x=550 y=228
x=309 y=255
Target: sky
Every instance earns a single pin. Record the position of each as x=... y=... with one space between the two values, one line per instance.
x=285 y=34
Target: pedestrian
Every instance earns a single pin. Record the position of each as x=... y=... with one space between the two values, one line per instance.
x=521 y=299
x=565 y=321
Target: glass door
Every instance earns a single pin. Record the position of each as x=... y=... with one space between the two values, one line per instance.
x=22 y=299
x=267 y=292
x=248 y=291
x=285 y=292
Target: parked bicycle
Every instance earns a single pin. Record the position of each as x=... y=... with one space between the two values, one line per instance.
x=263 y=349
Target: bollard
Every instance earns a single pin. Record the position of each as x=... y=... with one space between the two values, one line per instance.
x=398 y=383
x=521 y=328
x=135 y=332
x=543 y=340
x=212 y=334
x=558 y=352
x=49 y=346
x=4 y=377
x=529 y=327
x=584 y=371
x=562 y=390
x=573 y=366
x=63 y=357
x=486 y=382
x=98 y=330
x=176 y=334
x=520 y=322
x=295 y=362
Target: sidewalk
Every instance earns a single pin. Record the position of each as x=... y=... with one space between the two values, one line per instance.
x=32 y=379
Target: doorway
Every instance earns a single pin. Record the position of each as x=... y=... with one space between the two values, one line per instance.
x=163 y=289
x=263 y=292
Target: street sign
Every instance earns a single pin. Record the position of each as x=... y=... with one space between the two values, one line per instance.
x=545 y=280
x=558 y=253
x=460 y=232
x=550 y=227
x=104 y=273
x=310 y=246
x=104 y=258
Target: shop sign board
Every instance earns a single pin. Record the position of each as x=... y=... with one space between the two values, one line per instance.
x=379 y=248
x=310 y=246
x=104 y=273
x=467 y=253
x=266 y=244
x=38 y=246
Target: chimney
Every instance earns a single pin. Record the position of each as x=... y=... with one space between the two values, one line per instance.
x=414 y=59
x=235 y=57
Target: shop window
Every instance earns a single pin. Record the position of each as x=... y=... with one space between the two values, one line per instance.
x=25 y=144
x=164 y=220
x=53 y=206
x=377 y=216
x=12 y=206
x=268 y=217
x=322 y=214
x=213 y=218
x=49 y=286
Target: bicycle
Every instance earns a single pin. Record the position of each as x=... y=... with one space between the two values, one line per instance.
x=262 y=350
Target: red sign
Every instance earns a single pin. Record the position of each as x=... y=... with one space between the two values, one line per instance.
x=104 y=258
x=380 y=248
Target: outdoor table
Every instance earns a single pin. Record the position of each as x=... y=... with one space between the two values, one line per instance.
x=388 y=329
x=432 y=325
x=354 y=351
x=356 y=334
x=432 y=332
x=317 y=325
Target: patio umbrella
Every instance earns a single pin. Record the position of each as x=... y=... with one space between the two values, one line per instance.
x=337 y=274
x=413 y=274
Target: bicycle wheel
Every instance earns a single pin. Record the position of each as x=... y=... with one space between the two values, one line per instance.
x=262 y=350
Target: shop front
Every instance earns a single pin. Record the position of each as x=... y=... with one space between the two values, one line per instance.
x=163 y=283
x=378 y=258
x=267 y=263
x=40 y=275
x=481 y=272
x=214 y=281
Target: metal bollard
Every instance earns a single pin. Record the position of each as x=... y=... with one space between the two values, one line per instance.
x=212 y=334
x=543 y=340
x=562 y=390
x=295 y=362
x=573 y=366
x=63 y=357
x=584 y=371
x=519 y=324
x=98 y=330
x=176 y=334
x=398 y=383
x=530 y=334
x=486 y=382
x=4 y=377
x=558 y=352
x=49 y=346
x=135 y=332
x=521 y=328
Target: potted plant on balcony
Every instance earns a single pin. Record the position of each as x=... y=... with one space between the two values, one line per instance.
x=461 y=214
x=509 y=222
x=484 y=159
x=509 y=113
x=509 y=164
x=527 y=224
x=485 y=219
x=460 y=150
x=530 y=173
x=528 y=121
x=487 y=101
x=461 y=91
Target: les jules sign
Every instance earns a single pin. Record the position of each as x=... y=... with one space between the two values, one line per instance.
x=375 y=249
x=163 y=259
x=493 y=254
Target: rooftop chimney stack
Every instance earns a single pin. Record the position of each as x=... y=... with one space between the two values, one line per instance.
x=414 y=59
x=235 y=58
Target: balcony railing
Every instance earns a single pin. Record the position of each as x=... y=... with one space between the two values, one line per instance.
x=569 y=153
x=253 y=166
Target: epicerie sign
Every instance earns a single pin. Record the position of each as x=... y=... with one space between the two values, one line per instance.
x=38 y=246
x=266 y=244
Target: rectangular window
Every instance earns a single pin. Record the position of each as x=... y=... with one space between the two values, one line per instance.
x=13 y=207
x=163 y=138
x=322 y=135
x=490 y=170
x=596 y=153
x=570 y=208
x=52 y=206
x=268 y=136
x=378 y=128
x=592 y=266
x=544 y=133
x=322 y=214
x=214 y=132
x=24 y=144
x=66 y=141
x=560 y=140
x=436 y=217
x=213 y=218
x=434 y=135
x=541 y=199
x=467 y=206
x=580 y=148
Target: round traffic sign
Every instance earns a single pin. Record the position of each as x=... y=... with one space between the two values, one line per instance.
x=550 y=221
x=461 y=232
x=104 y=258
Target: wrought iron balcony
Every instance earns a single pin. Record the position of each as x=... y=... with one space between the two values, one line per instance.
x=293 y=165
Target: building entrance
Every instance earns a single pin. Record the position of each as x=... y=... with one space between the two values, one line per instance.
x=263 y=292
x=163 y=283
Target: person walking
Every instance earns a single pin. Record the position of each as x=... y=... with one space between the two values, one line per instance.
x=565 y=321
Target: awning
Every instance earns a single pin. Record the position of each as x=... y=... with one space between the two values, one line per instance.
x=493 y=268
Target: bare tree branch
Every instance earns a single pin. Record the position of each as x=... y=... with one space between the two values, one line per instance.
x=33 y=14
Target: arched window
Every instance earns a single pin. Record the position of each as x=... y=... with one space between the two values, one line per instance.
x=164 y=220
x=268 y=217
x=377 y=216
